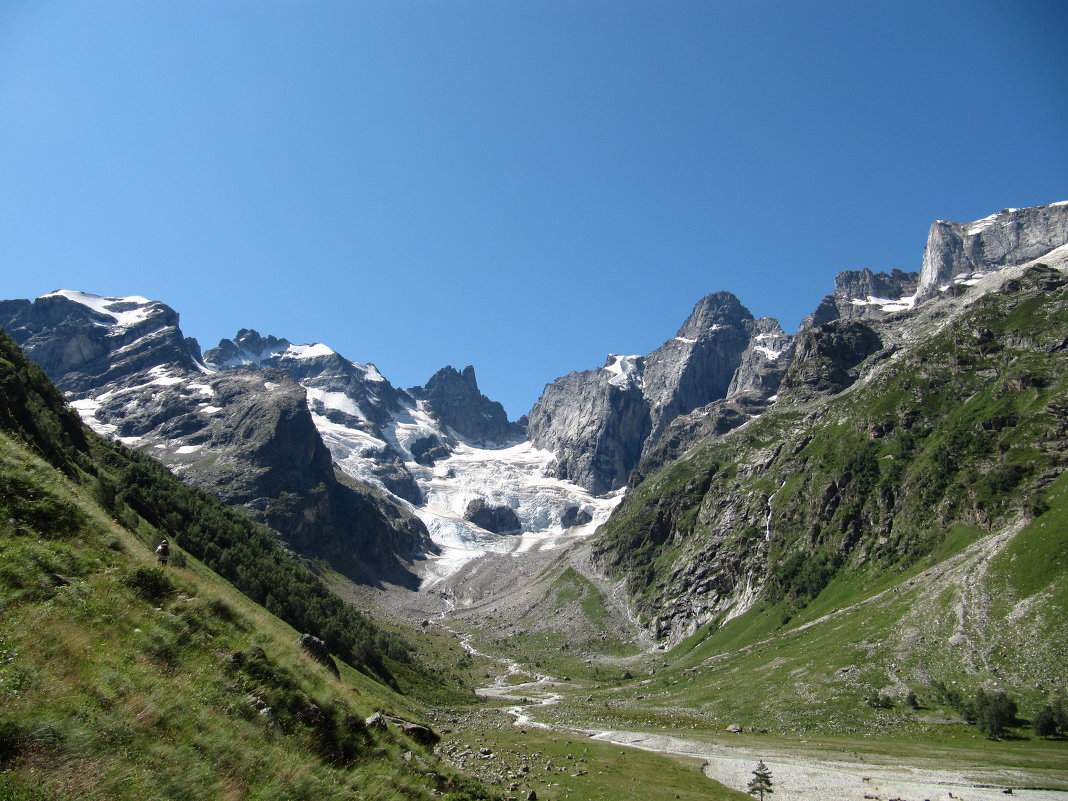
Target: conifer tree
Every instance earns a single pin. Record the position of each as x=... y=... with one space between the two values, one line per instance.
x=761 y=781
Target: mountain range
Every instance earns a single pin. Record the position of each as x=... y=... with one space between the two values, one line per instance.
x=404 y=486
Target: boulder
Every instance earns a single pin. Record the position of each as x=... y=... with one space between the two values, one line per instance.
x=575 y=516
x=376 y=721
x=421 y=734
x=498 y=519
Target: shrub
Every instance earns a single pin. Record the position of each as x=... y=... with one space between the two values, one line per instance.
x=994 y=713
x=149 y=583
x=879 y=701
x=1044 y=723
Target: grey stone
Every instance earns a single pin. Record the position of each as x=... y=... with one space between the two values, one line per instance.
x=454 y=399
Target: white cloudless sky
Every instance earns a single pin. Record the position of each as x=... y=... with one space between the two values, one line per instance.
x=521 y=186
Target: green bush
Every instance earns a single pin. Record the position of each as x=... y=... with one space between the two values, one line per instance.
x=150 y=583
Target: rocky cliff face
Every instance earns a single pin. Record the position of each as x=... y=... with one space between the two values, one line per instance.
x=83 y=341
x=698 y=365
x=962 y=253
x=594 y=423
x=864 y=295
x=764 y=361
x=826 y=358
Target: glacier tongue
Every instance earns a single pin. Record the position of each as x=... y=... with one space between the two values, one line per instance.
x=516 y=476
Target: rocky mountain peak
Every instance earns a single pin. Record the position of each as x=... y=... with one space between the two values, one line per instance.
x=455 y=400
x=248 y=348
x=864 y=295
x=713 y=313
x=82 y=340
x=449 y=379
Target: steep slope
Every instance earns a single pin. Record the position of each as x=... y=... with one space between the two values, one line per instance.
x=124 y=681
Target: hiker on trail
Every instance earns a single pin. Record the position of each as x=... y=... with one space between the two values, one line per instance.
x=163 y=551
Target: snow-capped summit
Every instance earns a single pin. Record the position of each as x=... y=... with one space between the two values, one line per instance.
x=84 y=340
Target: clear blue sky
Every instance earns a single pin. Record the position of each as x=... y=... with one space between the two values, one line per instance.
x=522 y=185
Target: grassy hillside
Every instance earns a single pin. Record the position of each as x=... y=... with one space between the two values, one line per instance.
x=120 y=679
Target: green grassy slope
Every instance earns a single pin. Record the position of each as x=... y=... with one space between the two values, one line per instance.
x=121 y=680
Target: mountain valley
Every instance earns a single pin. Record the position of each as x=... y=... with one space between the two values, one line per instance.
x=829 y=548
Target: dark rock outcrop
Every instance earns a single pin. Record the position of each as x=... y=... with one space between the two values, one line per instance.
x=824 y=357
x=247 y=349
x=498 y=519
x=575 y=516
x=427 y=450
x=423 y=735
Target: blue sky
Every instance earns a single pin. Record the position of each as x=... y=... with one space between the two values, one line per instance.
x=522 y=186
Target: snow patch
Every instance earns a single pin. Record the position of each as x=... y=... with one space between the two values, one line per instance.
x=161 y=378
x=87 y=409
x=103 y=305
x=203 y=389
x=335 y=400
x=625 y=370
x=770 y=354
x=979 y=226
x=886 y=304
x=189 y=449
x=371 y=374
x=313 y=351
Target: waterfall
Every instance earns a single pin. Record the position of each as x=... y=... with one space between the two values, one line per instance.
x=767 y=520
